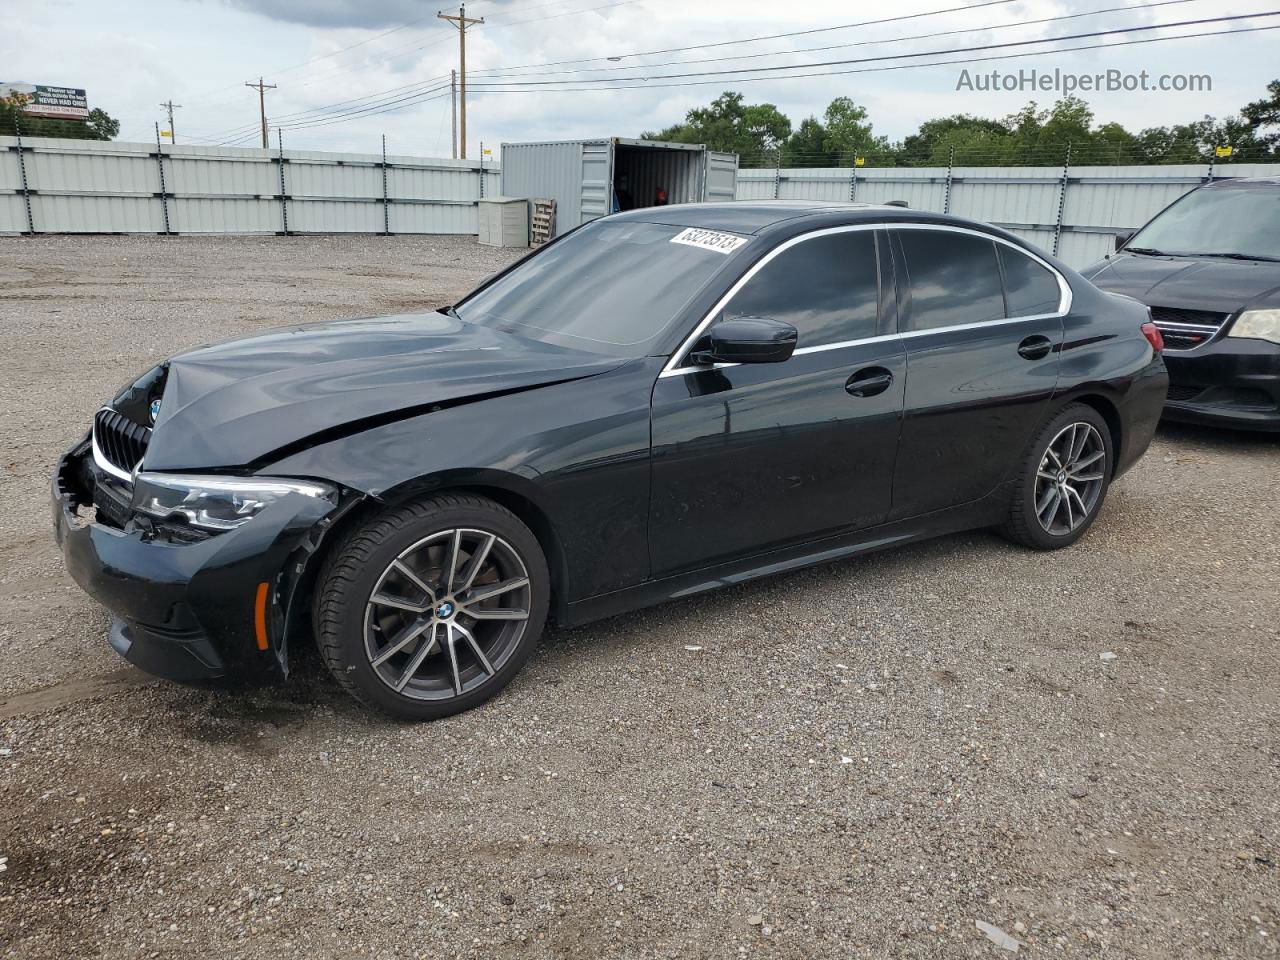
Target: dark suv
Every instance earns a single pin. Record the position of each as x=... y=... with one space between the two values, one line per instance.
x=1208 y=266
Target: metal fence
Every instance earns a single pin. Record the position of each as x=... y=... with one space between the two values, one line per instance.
x=86 y=186
x=1073 y=212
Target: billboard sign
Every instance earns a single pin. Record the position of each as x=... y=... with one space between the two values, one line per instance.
x=58 y=103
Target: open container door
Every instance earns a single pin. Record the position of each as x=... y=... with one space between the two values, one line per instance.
x=597 y=181
x=720 y=177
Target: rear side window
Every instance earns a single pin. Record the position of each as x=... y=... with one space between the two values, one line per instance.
x=826 y=287
x=954 y=278
x=1030 y=288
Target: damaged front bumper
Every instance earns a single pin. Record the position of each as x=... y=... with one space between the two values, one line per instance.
x=188 y=607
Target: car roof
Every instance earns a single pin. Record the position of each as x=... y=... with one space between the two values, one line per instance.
x=754 y=216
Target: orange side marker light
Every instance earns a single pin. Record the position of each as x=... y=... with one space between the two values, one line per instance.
x=260 y=615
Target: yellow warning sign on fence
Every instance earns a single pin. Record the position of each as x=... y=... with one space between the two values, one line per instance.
x=859 y=161
x=1223 y=151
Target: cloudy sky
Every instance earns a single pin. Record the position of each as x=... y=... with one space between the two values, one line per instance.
x=333 y=58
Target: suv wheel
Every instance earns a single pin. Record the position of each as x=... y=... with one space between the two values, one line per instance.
x=1063 y=481
x=433 y=606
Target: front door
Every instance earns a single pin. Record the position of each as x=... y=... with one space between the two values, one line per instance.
x=982 y=325
x=750 y=457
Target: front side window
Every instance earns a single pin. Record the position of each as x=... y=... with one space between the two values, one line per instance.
x=954 y=278
x=827 y=287
x=610 y=287
x=1031 y=289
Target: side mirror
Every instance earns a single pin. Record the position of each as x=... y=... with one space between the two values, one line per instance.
x=1122 y=239
x=747 y=340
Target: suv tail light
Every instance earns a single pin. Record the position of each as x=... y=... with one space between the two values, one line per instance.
x=1154 y=336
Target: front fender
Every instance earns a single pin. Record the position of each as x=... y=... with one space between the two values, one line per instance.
x=578 y=452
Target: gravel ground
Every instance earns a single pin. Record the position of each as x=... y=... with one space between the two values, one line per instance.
x=862 y=760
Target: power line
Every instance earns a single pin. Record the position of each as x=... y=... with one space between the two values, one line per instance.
x=841 y=46
x=774 y=36
x=900 y=56
x=418 y=46
x=497 y=88
x=324 y=108
x=320 y=110
x=381 y=104
x=876 y=69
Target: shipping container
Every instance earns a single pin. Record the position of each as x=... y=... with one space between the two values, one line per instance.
x=592 y=178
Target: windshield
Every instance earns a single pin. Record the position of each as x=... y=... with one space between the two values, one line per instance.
x=609 y=287
x=1223 y=221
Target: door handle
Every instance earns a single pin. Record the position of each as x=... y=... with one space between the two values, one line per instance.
x=1035 y=347
x=868 y=382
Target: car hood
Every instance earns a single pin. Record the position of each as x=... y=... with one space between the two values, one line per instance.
x=239 y=402
x=1223 y=286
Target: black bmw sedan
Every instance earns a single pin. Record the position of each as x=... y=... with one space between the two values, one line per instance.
x=655 y=405
x=1208 y=265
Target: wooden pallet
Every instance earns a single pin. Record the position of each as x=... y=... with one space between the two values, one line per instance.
x=544 y=221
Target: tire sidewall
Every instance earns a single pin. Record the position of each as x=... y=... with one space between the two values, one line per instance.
x=1072 y=413
x=352 y=659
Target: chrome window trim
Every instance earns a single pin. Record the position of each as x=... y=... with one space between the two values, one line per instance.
x=1064 y=299
x=100 y=458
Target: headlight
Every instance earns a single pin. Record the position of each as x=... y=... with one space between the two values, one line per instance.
x=216 y=503
x=1258 y=325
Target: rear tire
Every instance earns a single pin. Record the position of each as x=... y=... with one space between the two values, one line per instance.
x=432 y=606
x=1063 y=480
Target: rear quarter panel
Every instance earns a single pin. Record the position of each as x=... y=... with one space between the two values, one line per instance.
x=1105 y=354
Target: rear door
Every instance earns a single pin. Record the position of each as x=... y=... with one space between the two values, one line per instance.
x=719 y=176
x=982 y=361
x=751 y=457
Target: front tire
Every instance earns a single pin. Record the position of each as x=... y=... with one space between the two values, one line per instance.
x=1063 y=480
x=433 y=606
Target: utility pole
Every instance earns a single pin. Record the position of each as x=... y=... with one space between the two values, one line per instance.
x=461 y=21
x=262 y=89
x=171 y=106
x=453 y=101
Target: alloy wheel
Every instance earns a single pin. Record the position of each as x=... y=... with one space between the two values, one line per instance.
x=1070 y=477
x=447 y=614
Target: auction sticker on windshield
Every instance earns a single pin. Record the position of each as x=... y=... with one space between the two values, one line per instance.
x=709 y=240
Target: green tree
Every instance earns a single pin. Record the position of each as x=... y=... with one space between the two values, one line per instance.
x=807 y=146
x=102 y=126
x=849 y=132
x=1113 y=144
x=1265 y=113
x=755 y=132
x=977 y=137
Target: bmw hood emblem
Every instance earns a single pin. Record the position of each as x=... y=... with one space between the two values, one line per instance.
x=155 y=409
